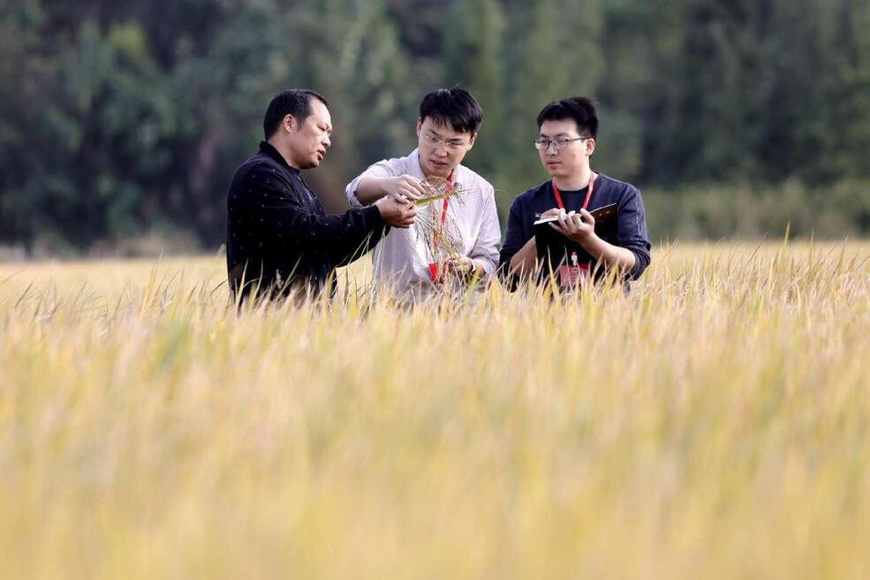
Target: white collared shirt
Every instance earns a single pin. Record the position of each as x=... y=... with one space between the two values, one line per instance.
x=402 y=258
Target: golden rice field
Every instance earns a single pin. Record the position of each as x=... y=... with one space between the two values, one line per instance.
x=713 y=424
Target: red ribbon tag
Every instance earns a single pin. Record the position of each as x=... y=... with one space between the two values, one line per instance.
x=437 y=277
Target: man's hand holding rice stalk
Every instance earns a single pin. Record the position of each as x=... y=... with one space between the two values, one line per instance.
x=439 y=231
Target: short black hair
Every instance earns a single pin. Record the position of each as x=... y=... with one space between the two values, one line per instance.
x=296 y=102
x=580 y=109
x=455 y=107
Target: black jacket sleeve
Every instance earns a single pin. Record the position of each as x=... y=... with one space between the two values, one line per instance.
x=288 y=221
x=632 y=232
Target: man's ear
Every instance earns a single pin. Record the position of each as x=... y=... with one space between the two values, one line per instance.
x=472 y=141
x=289 y=123
x=590 y=147
x=419 y=126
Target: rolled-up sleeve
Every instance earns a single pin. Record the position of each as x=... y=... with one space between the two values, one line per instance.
x=384 y=168
x=632 y=232
x=485 y=248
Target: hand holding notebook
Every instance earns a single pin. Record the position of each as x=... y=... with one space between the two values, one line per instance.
x=555 y=247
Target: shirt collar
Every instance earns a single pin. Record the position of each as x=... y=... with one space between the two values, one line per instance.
x=269 y=150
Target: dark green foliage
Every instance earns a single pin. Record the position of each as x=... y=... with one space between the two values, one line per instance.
x=118 y=119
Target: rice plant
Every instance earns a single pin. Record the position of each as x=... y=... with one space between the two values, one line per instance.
x=714 y=423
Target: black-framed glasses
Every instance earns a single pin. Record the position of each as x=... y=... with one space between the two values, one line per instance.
x=559 y=143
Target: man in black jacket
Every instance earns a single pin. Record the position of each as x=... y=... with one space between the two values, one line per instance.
x=278 y=235
x=568 y=131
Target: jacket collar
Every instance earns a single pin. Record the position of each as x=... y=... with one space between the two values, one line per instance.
x=269 y=150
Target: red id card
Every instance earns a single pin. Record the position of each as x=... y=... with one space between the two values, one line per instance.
x=570 y=276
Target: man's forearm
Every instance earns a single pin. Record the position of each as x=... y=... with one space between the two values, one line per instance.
x=611 y=256
x=524 y=261
x=370 y=189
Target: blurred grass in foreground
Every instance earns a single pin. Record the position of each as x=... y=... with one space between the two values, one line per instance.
x=714 y=424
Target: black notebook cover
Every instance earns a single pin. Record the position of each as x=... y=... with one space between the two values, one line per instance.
x=558 y=248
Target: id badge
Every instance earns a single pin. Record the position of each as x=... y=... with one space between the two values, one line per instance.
x=570 y=276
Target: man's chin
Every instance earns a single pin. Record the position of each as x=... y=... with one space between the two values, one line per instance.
x=439 y=171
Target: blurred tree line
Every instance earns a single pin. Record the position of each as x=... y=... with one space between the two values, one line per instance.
x=118 y=119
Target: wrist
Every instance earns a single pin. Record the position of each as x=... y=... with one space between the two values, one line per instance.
x=597 y=248
x=380 y=207
x=475 y=269
x=588 y=240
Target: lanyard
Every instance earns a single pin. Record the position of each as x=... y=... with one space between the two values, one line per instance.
x=433 y=266
x=559 y=195
x=446 y=200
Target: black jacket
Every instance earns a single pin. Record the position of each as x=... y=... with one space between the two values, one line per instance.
x=630 y=231
x=279 y=236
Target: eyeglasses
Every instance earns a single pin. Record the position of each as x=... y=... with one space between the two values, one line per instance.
x=438 y=142
x=543 y=144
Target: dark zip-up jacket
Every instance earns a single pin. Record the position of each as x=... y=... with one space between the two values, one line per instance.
x=278 y=235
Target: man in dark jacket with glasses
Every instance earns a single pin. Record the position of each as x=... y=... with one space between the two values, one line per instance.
x=566 y=142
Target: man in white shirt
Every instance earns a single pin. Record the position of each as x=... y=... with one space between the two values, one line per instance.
x=406 y=259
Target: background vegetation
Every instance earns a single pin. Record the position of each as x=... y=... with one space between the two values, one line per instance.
x=122 y=119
